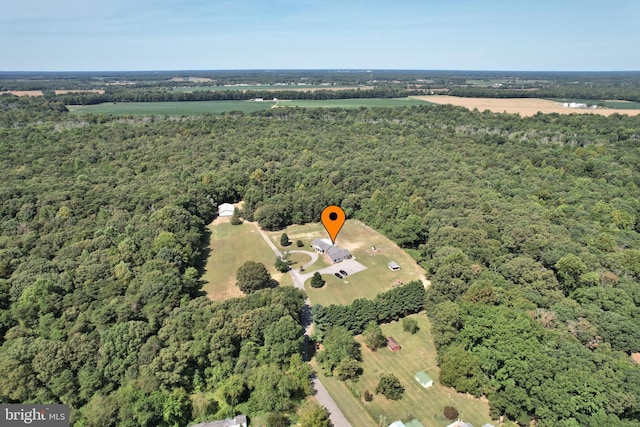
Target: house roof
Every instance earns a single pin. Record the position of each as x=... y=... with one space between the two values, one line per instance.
x=422 y=377
x=237 y=421
x=225 y=209
x=397 y=424
x=336 y=252
x=414 y=423
x=393 y=265
x=322 y=244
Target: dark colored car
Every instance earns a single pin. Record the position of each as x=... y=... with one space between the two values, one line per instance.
x=338 y=275
x=344 y=273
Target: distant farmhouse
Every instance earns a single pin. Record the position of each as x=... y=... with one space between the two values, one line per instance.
x=332 y=253
x=237 y=421
x=225 y=209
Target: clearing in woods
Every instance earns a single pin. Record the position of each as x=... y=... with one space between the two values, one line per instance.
x=524 y=106
x=418 y=353
x=360 y=240
x=230 y=247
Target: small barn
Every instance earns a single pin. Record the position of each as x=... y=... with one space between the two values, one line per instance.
x=393 y=266
x=392 y=344
x=225 y=209
x=424 y=379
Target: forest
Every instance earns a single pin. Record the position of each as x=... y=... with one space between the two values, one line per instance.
x=528 y=229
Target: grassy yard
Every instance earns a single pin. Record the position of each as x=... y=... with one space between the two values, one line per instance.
x=231 y=246
x=417 y=353
x=360 y=240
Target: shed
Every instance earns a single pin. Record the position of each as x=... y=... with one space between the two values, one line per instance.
x=393 y=266
x=392 y=344
x=225 y=209
x=424 y=379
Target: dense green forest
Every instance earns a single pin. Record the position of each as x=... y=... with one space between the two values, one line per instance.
x=528 y=228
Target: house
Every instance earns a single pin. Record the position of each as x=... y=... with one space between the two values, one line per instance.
x=321 y=245
x=412 y=423
x=488 y=425
x=225 y=209
x=393 y=266
x=424 y=379
x=393 y=344
x=460 y=423
x=237 y=421
x=336 y=254
x=333 y=253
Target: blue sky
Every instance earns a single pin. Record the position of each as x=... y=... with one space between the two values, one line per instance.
x=87 y=35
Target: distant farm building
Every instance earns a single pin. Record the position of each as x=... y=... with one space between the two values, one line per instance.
x=332 y=253
x=225 y=209
x=424 y=379
x=393 y=266
x=392 y=344
x=237 y=421
x=460 y=423
x=574 y=105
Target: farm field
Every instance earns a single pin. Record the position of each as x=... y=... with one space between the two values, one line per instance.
x=219 y=107
x=359 y=239
x=523 y=106
x=417 y=354
x=230 y=247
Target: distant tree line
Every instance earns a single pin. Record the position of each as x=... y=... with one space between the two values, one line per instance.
x=139 y=95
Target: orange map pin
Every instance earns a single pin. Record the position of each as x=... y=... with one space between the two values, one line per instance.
x=333 y=218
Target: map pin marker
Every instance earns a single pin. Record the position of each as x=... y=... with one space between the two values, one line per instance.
x=333 y=218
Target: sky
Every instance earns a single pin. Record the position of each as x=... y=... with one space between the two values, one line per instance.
x=116 y=35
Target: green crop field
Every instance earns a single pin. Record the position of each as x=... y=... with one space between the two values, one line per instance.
x=170 y=108
x=218 y=107
x=417 y=354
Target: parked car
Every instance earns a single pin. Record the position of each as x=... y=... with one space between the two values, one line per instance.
x=344 y=273
x=338 y=275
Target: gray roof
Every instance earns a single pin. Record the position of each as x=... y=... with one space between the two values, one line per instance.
x=320 y=244
x=393 y=264
x=237 y=421
x=336 y=252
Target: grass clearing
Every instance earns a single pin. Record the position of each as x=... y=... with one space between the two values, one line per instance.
x=360 y=240
x=417 y=354
x=352 y=103
x=231 y=246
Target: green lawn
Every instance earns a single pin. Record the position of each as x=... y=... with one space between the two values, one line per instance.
x=231 y=246
x=219 y=107
x=417 y=354
x=359 y=239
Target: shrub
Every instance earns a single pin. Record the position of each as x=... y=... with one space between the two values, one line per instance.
x=299 y=243
x=390 y=387
x=368 y=397
x=450 y=413
x=317 y=281
x=410 y=325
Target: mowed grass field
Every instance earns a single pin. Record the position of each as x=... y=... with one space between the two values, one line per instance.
x=417 y=354
x=359 y=239
x=218 y=107
x=230 y=247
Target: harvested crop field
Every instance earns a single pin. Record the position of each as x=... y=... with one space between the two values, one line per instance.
x=524 y=106
x=23 y=92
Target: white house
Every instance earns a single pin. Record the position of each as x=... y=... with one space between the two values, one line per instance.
x=225 y=209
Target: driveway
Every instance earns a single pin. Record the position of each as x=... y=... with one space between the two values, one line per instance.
x=351 y=266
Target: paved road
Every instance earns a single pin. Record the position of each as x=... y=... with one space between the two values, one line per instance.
x=322 y=395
